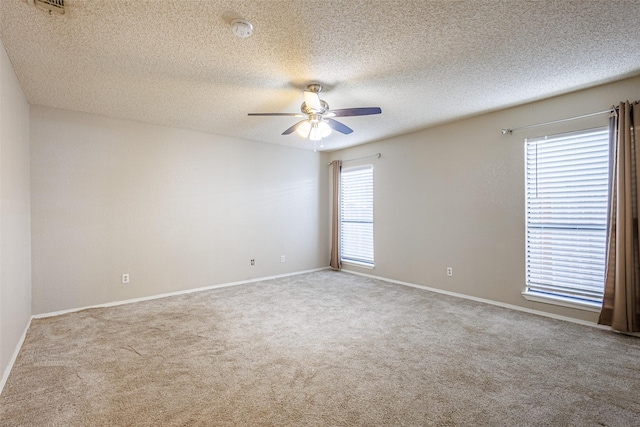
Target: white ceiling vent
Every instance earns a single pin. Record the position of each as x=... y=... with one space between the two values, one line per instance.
x=56 y=6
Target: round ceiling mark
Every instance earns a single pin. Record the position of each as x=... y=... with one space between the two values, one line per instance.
x=241 y=28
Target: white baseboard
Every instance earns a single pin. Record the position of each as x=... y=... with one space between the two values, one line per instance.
x=486 y=301
x=7 y=371
x=170 y=294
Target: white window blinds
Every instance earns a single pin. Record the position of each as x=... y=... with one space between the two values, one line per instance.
x=567 y=180
x=356 y=215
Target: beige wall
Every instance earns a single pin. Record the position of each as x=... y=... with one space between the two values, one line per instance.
x=15 y=240
x=175 y=209
x=178 y=209
x=453 y=195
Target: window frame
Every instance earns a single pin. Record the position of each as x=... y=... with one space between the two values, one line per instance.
x=557 y=297
x=366 y=258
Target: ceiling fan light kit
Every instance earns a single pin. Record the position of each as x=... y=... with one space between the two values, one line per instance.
x=313 y=131
x=319 y=121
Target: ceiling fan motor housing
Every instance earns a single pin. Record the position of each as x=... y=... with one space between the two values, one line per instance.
x=311 y=111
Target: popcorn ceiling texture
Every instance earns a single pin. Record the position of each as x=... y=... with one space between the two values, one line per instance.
x=177 y=63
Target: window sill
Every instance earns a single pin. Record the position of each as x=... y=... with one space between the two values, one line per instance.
x=564 y=302
x=358 y=264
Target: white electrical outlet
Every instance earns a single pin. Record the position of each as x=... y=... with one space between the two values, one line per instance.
x=125 y=278
x=449 y=271
x=282 y=258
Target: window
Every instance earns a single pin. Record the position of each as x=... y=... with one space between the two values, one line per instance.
x=356 y=215
x=567 y=179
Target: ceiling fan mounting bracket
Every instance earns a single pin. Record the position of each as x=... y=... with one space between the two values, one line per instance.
x=314 y=87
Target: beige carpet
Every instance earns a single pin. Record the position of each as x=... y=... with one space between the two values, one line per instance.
x=320 y=349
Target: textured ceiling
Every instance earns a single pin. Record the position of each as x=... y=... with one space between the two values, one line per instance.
x=177 y=62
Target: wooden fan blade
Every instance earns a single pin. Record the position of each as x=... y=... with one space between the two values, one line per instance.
x=336 y=125
x=364 y=111
x=277 y=114
x=293 y=128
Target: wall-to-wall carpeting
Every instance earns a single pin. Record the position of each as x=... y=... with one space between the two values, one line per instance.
x=322 y=348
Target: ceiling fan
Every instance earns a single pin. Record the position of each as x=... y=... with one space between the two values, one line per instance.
x=319 y=122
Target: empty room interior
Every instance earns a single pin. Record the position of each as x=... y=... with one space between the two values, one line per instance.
x=319 y=213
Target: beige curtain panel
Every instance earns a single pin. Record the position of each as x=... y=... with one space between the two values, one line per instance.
x=335 y=217
x=621 y=303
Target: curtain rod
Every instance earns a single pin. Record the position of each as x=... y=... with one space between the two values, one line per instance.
x=510 y=131
x=378 y=155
